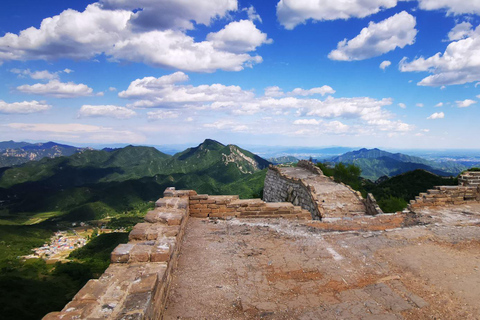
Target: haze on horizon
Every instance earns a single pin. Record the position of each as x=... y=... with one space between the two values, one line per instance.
x=374 y=73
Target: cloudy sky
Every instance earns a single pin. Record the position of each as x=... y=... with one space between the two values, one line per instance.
x=360 y=73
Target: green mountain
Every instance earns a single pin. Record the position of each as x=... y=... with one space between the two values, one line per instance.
x=98 y=183
x=393 y=194
x=376 y=163
x=283 y=160
x=15 y=153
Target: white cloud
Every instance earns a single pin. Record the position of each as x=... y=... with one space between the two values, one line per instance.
x=79 y=132
x=436 y=115
x=57 y=89
x=154 y=92
x=455 y=7
x=67 y=70
x=291 y=13
x=274 y=92
x=162 y=114
x=252 y=14
x=385 y=64
x=319 y=90
x=239 y=37
x=227 y=125
x=465 y=103
x=168 y=93
x=378 y=38
x=309 y=122
x=108 y=111
x=37 y=75
x=420 y=105
x=440 y=104
x=172 y=14
x=112 y=89
x=459 y=64
x=460 y=31
x=23 y=107
x=402 y=105
x=84 y=35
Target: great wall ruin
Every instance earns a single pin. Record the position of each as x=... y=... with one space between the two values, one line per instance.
x=314 y=249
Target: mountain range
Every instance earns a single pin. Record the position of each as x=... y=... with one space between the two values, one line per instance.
x=16 y=153
x=376 y=163
x=95 y=183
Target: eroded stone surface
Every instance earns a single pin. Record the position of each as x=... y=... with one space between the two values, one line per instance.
x=274 y=269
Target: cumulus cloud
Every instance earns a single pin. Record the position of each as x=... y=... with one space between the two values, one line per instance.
x=460 y=31
x=454 y=7
x=402 y=105
x=57 y=89
x=23 y=107
x=37 y=75
x=465 y=103
x=378 y=38
x=96 y=30
x=459 y=64
x=436 y=115
x=172 y=14
x=170 y=93
x=319 y=90
x=79 y=132
x=274 y=91
x=162 y=114
x=291 y=13
x=385 y=64
x=108 y=111
x=438 y=105
x=238 y=36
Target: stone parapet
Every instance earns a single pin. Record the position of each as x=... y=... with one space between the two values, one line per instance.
x=469 y=179
x=310 y=166
x=279 y=187
x=136 y=284
x=372 y=206
x=444 y=195
x=205 y=206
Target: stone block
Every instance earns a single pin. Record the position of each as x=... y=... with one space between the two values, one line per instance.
x=92 y=290
x=145 y=283
x=199 y=197
x=140 y=253
x=121 y=254
x=161 y=252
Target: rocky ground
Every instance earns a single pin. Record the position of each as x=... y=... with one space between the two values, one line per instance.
x=275 y=269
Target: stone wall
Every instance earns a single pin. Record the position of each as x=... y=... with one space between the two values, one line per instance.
x=279 y=188
x=136 y=284
x=443 y=195
x=310 y=166
x=469 y=178
x=203 y=206
x=371 y=205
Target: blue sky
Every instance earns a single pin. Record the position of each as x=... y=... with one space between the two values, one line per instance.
x=369 y=73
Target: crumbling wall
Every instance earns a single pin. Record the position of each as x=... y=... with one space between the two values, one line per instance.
x=136 y=284
x=280 y=188
x=371 y=205
x=203 y=206
x=443 y=195
x=469 y=179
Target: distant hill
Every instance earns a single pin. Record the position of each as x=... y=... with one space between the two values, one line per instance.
x=376 y=163
x=15 y=153
x=283 y=160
